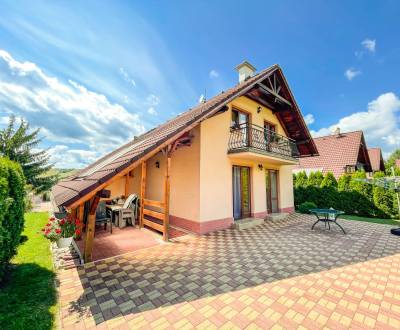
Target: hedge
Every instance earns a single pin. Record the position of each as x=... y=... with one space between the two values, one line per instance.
x=12 y=193
x=346 y=194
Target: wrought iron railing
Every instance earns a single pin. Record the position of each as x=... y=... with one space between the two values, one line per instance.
x=245 y=137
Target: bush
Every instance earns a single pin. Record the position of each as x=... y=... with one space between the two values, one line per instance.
x=12 y=194
x=315 y=179
x=306 y=206
x=301 y=179
x=329 y=181
x=383 y=199
x=344 y=182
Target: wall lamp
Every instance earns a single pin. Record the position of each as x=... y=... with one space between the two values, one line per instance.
x=157 y=164
x=260 y=167
x=259 y=109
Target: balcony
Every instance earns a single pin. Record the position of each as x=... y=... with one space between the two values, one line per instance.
x=256 y=139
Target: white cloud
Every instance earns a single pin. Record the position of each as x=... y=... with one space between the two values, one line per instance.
x=153 y=100
x=152 y=111
x=351 y=73
x=380 y=123
x=65 y=157
x=309 y=118
x=369 y=45
x=127 y=77
x=214 y=74
x=68 y=113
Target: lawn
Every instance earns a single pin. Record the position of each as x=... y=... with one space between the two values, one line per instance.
x=373 y=220
x=28 y=298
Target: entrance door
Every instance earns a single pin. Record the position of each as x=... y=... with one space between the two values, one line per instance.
x=271 y=182
x=241 y=192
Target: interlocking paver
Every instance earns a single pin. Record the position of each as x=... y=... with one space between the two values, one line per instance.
x=280 y=275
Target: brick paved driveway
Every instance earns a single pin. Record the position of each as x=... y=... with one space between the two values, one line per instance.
x=280 y=273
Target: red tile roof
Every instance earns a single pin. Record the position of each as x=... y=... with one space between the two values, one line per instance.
x=375 y=156
x=335 y=152
x=397 y=163
x=69 y=190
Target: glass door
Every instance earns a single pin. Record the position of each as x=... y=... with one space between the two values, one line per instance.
x=271 y=182
x=241 y=192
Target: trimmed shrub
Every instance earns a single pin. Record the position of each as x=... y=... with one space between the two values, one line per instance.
x=344 y=182
x=383 y=198
x=301 y=179
x=12 y=193
x=315 y=179
x=306 y=206
x=329 y=181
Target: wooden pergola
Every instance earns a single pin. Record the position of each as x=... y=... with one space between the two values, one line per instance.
x=153 y=214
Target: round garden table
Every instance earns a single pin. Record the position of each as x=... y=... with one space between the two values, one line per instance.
x=327 y=216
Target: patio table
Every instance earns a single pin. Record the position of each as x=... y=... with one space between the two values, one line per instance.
x=327 y=216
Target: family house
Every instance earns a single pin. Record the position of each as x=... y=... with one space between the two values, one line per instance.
x=228 y=158
x=339 y=153
x=377 y=163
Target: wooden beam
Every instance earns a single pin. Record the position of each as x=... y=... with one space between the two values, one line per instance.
x=268 y=90
x=142 y=193
x=153 y=225
x=150 y=202
x=166 y=198
x=80 y=216
x=154 y=214
x=90 y=227
x=126 y=185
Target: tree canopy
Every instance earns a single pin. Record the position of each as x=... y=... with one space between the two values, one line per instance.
x=392 y=159
x=20 y=144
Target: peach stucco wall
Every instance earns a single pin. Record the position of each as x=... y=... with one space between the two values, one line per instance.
x=216 y=165
x=201 y=175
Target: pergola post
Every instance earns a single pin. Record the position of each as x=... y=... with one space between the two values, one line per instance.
x=81 y=209
x=142 y=193
x=166 y=197
x=90 y=227
x=126 y=185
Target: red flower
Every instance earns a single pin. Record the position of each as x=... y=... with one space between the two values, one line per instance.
x=77 y=232
x=77 y=222
x=62 y=222
x=48 y=224
x=58 y=231
x=47 y=232
x=52 y=219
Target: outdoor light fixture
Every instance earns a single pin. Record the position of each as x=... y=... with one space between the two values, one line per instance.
x=259 y=109
x=157 y=164
x=260 y=167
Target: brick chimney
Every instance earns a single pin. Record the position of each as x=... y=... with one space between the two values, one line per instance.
x=246 y=70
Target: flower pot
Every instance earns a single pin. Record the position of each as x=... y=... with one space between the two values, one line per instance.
x=64 y=242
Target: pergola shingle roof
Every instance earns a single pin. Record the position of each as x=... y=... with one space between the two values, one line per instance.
x=69 y=190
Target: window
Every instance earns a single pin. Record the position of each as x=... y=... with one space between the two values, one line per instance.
x=350 y=169
x=239 y=118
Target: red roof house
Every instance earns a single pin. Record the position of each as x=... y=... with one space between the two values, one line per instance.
x=375 y=156
x=338 y=153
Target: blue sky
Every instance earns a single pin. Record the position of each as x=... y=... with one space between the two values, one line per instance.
x=94 y=74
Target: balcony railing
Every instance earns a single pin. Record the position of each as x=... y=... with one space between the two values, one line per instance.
x=246 y=137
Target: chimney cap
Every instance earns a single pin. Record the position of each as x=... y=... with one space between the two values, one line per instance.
x=246 y=64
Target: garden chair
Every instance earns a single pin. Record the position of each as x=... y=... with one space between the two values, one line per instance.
x=102 y=216
x=129 y=210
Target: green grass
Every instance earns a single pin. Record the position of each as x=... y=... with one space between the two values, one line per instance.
x=28 y=299
x=373 y=220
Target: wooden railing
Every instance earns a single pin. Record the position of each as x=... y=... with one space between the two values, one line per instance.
x=246 y=137
x=154 y=217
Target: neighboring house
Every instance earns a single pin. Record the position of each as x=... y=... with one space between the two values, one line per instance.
x=397 y=163
x=377 y=163
x=228 y=158
x=339 y=153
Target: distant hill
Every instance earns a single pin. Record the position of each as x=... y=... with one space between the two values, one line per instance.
x=62 y=172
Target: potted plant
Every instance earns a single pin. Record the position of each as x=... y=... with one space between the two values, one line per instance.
x=62 y=231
